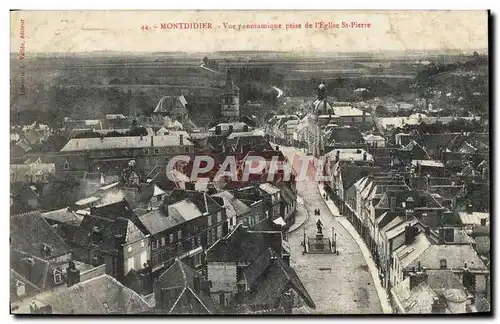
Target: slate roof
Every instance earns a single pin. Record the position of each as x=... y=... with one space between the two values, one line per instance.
x=456 y=256
x=202 y=200
x=238 y=206
x=180 y=212
x=100 y=296
x=38 y=273
x=419 y=300
x=63 y=215
x=108 y=228
x=421 y=199
x=124 y=142
x=243 y=245
x=408 y=254
x=352 y=173
x=40 y=234
x=179 y=278
x=441 y=280
x=268 y=277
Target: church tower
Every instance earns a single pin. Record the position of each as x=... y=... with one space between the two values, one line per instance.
x=230 y=111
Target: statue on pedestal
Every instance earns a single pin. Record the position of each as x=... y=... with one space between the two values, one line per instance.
x=319 y=225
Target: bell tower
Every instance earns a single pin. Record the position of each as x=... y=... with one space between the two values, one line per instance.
x=230 y=110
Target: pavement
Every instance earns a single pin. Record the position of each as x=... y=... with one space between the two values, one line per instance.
x=382 y=293
x=338 y=284
x=301 y=216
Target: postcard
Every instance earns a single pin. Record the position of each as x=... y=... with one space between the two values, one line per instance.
x=249 y=162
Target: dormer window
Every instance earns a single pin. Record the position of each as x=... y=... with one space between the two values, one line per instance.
x=66 y=165
x=46 y=250
x=57 y=276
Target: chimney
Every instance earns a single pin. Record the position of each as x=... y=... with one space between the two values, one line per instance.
x=197 y=284
x=439 y=305
x=483 y=221
x=118 y=241
x=96 y=235
x=417 y=276
x=409 y=234
x=152 y=141
x=72 y=274
x=393 y=203
x=181 y=139
x=469 y=209
x=337 y=156
x=468 y=279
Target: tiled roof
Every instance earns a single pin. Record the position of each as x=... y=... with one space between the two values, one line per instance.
x=202 y=200
x=352 y=173
x=182 y=211
x=408 y=254
x=108 y=228
x=268 y=277
x=419 y=300
x=100 y=296
x=179 y=278
x=34 y=269
x=125 y=142
x=399 y=228
x=64 y=215
x=40 y=234
x=243 y=245
x=456 y=256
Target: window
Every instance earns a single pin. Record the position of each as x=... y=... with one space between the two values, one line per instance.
x=209 y=220
x=197 y=260
x=153 y=244
x=219 y=217
x=129 y=265
x=155 y=259
x=146 y=151
x=171 y=238
x=57 y=277
x=129 y=249
x=179 y=248
x=193 y=242
x=219 y=231
x=66 y=165
x=157 y=151
x=162 y=241
x=142 y=243
x=179 y=234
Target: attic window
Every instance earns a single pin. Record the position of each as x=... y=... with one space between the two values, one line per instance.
x=57 y=276
x=46 y=250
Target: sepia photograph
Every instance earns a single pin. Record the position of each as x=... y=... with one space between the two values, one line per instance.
x=293 y=162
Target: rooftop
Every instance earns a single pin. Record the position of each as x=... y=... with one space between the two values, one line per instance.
x=125 y=142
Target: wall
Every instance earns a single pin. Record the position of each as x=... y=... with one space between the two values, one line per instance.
x=223 y=276
x=93 y=273
x=137 y=249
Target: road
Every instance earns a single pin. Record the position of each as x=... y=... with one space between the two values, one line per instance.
x=338 y=284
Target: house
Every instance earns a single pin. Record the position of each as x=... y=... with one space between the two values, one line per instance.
x=270 y=283
x=456 y=257
x=288 y=205
x=253 y=198
x=20 y=287
x=182 y=290
x=236 y=210
x=430 y=292
x=32 y=173
x=108 y=153
x=102 y=295
x=374 y=140
x=348 y=137
x=174 y=107
x=41 y=256
x=108 y=236
x=272 y=196
x=184 y=225
x=350 y=155
x=230 y=255
x=23 y=198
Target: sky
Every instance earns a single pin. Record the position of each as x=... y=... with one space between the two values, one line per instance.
x=88 y=31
